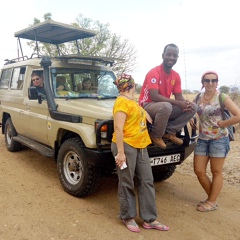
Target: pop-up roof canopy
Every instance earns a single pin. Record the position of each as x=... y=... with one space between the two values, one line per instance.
x=57 y=33
x=54 y=32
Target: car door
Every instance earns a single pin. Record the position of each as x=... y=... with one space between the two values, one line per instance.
x=36 y=115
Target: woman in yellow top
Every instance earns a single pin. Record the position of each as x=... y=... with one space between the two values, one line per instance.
x=129 y=142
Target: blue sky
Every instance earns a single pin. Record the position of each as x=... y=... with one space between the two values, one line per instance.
x=206 y=31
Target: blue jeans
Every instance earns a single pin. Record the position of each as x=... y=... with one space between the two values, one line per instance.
x=213 y=148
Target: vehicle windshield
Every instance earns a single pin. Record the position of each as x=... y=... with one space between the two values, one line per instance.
x=82 y=83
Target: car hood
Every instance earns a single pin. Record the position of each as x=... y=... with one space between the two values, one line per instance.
x=87 y=108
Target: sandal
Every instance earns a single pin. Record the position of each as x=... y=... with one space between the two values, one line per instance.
x=131 y=225
x=203 y=208
x=156 y=225
x=202 y=202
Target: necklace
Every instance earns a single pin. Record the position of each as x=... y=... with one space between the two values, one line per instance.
x=207 y=100
x=126 y=96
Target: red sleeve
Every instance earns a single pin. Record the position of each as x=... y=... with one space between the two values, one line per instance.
x=152 y=79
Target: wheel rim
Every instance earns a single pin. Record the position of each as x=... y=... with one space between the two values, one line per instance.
x=9 y=135
x=73 y=167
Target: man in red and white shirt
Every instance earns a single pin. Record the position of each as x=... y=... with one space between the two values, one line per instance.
x=169 y=115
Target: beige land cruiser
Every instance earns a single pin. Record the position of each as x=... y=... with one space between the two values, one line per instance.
x=68 y=123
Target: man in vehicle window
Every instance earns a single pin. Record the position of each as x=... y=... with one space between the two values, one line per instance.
x=37 y=81
x=169 y=115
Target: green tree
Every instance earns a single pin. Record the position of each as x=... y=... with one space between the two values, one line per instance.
x=138 y=88
x=186 y=91
x=43 y=48
x=104 y=44
x=224 y=89
x=195 y=92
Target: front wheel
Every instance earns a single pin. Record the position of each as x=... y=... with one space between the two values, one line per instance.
x=10 y=132
x=163 y=174
x=77 y=177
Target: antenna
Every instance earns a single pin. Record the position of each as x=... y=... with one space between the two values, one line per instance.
x=17 y=49
x=184 y=55
x=185 y=71
x=236 y=82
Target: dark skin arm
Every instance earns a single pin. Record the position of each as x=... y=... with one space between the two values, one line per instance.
x=179 y=100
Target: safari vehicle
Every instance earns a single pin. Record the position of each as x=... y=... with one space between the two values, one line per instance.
x=72 y=126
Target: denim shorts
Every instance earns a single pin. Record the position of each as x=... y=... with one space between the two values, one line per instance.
x=213 y=148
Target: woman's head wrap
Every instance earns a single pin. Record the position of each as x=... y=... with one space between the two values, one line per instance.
x=208 y=72
x=124 y=82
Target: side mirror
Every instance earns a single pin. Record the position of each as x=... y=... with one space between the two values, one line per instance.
x=33 y=94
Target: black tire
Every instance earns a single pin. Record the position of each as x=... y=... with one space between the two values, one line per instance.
x=162 y=175
x=77 y=177
x=10 y=132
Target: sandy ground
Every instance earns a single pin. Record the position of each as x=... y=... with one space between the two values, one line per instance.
x=33 y=204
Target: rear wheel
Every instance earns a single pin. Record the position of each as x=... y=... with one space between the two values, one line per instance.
x=163 y=174
x=77 y=177
x=10 y=132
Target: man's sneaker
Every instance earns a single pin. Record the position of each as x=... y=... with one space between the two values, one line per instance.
x=159 y=142
x=173 y=138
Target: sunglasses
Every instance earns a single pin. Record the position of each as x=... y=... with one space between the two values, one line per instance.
x=35 y=79
x=210 y=80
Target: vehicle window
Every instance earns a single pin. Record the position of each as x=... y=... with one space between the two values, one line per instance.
x=106 y=86
x=17 y=78
x=83 y=83
x=5 y=78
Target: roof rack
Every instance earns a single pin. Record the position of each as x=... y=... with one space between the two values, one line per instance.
x=9 y=61
x=54 y=32
x=93 y=59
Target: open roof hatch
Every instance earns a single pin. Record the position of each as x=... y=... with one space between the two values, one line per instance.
x=54 y=33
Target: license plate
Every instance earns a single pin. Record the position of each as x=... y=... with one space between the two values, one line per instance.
x=165 y=159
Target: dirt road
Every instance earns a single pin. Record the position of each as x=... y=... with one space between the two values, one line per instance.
x=33 y=205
